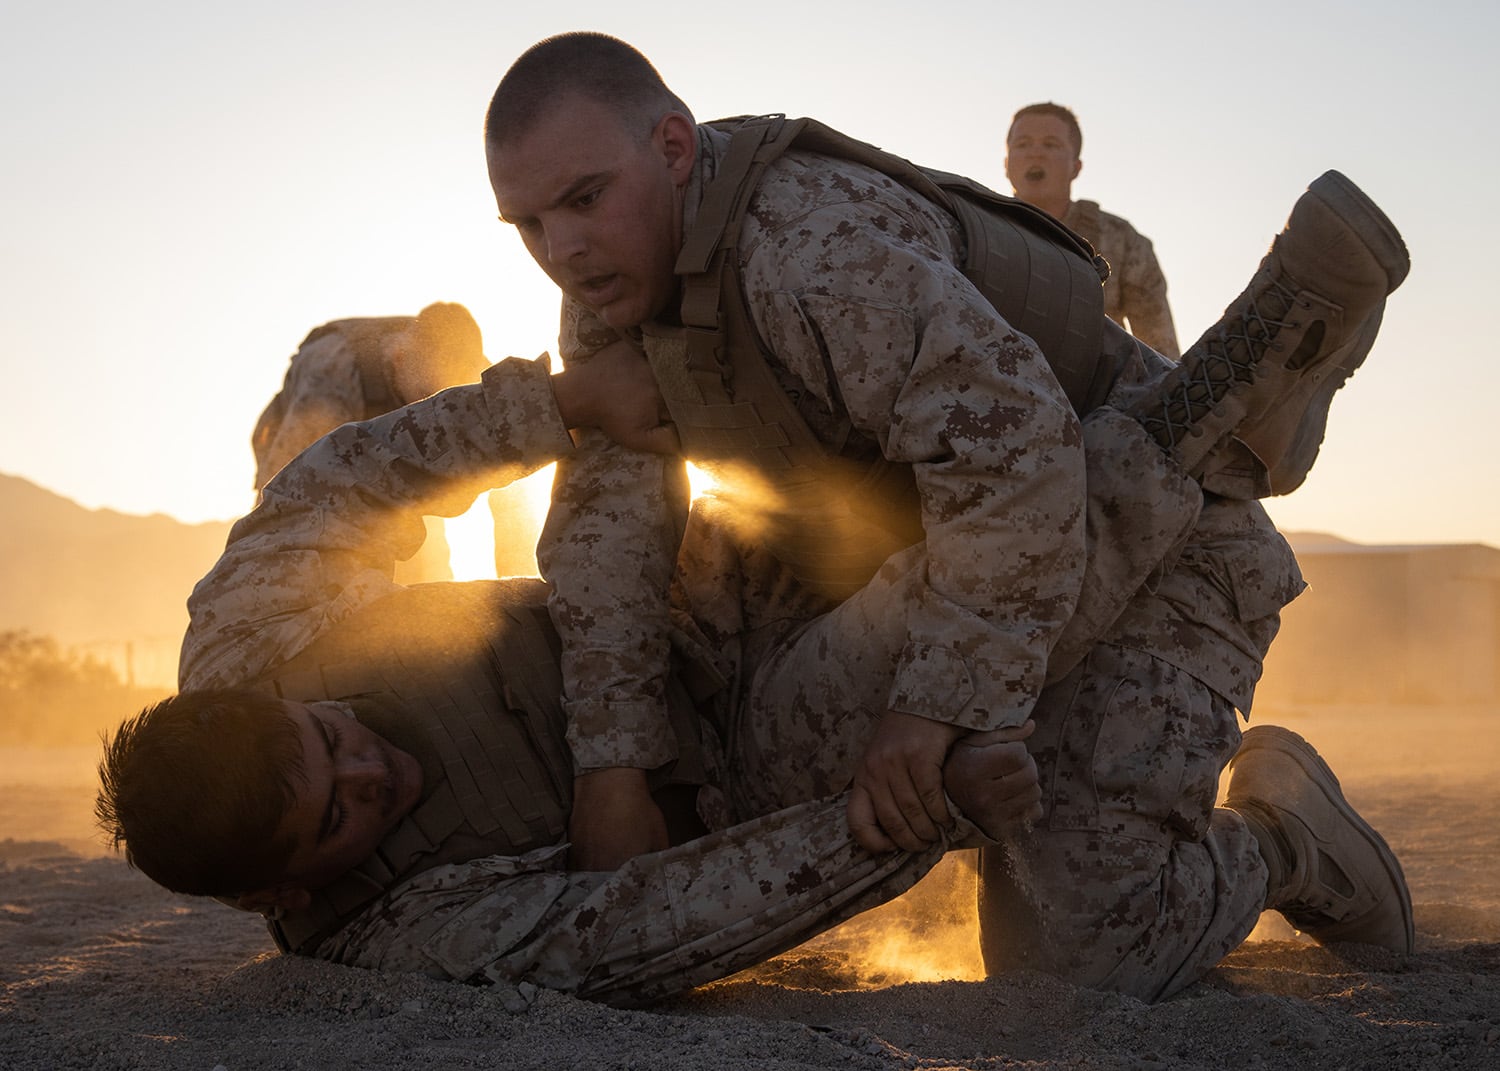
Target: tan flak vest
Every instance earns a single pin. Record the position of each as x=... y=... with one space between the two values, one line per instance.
x=833 y=511
x=465 y=677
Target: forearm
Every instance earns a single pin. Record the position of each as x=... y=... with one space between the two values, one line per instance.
x=323 y=540
x=1151 y=322
x=608 y=550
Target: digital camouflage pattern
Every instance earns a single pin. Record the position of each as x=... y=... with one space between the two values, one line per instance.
x=341 y=373
x=322 y=541
x=1132 y=881
x=659 y=925
x=1114 y=545
x=852 y=281
x=1071 y=573
x=320 y=547
x=1135 y=296
x=324 y=387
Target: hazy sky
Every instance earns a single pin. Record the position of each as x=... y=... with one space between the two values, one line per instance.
x=191 y=187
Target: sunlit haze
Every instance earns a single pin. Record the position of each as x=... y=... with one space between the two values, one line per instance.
x=192 y=187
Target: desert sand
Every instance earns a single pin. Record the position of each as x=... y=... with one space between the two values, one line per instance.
x=101 y=969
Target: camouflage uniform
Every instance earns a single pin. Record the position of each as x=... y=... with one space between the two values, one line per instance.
x=1106 y=598
x=325 y=386
x=1135 y=297
x=307 y=557
x=318 y=550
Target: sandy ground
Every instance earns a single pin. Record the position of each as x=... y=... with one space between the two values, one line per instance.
x=100 y=969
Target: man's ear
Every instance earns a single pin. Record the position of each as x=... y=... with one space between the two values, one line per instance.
x=285 y=896
x=676 y=137
x=1077 y=166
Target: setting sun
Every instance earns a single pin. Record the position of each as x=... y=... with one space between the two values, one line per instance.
x=471 y=542
x=471 y=536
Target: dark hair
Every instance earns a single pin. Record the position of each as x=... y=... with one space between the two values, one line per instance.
x=602 y=68
x=1056 y=111
x=195 y=789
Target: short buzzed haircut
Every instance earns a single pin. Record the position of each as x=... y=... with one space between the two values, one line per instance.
x=1056 y=111
x=602 y=68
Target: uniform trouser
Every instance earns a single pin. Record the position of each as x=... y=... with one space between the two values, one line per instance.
x=1132 y=880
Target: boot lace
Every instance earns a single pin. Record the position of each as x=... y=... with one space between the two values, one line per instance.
x=1228 y=357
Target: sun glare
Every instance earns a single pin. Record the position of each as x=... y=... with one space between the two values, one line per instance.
x=701 y=482
x=497 y=535
x=515 y=515
x=471 y=542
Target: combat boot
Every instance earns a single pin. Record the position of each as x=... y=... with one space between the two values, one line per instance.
x=1330 y=874
x=1300 y=419
x=1266 y=372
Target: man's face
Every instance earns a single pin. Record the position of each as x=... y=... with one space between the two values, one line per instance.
x=598 y=205
x=1040 y=159
x=352 y=787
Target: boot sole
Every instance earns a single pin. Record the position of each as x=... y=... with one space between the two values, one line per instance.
x=1286 y=742
x=1374 y=227
x=1212 y=406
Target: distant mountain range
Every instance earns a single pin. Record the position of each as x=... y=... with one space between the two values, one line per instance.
x=115 y=586
x=109 y=584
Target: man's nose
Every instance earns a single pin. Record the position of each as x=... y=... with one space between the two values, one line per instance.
x=564 y=241
x=363 y=774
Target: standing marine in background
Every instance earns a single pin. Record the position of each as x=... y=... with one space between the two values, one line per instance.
x=1042 y=158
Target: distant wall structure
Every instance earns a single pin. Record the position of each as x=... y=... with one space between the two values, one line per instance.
x=1389 y=624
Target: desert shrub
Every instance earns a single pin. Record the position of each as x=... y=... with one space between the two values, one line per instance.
x=55 y=695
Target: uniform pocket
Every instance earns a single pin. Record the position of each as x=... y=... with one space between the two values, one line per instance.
x=1139 y=750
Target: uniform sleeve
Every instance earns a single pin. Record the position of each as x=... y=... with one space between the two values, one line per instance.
x=608 y=549
x=323 y=540
x=1144 y=297
x=659 y=925
x=864 y=304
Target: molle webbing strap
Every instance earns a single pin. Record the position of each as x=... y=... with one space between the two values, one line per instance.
x=528 y=664
x=733 y=407
x=1042 y=277
x=726 y=413
x=833 y=516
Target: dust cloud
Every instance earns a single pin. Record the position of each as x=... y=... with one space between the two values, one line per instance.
x=1387 y=666
x=104 y=969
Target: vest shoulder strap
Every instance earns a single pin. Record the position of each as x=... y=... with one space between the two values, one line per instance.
x=1042 y=277
x=845 y=511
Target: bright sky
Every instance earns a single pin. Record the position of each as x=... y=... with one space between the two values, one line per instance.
x=192 y=186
